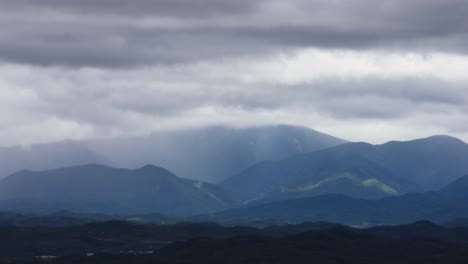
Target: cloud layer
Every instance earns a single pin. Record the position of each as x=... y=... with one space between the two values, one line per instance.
x=142 y=32
x=362 y=69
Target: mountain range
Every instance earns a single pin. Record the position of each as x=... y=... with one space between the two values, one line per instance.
x=351 y=183
x=359 y=170
x=441 y=206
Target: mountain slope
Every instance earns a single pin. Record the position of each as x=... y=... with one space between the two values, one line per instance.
x=442 y=206
x=352 y=182
x=101 y=189
x=209 y=154
x=429 y=163
x=373 y=171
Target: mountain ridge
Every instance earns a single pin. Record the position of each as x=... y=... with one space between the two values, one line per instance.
x=396 y=167
x=103 y=189
x=440 y=206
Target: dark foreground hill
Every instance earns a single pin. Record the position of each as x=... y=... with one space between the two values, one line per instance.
x=358 y=170
x=105 y=190
x=331 y=246
x=117 y=237
x=421 y=242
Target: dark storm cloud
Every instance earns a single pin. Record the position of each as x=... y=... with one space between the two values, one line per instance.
x=143 y=32
x=81 y=69
x=177 y=8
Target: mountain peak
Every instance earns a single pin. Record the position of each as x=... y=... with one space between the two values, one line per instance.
x=423 y=224
x=444 y=138
x=89 y=166
x=149 y=167
x=435 y=139
x=153 y=168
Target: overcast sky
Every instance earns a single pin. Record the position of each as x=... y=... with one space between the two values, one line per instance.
x=363 y=70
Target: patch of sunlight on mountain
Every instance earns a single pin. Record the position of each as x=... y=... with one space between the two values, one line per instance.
x=380 y=185
x=369 y=183
x=305 y=188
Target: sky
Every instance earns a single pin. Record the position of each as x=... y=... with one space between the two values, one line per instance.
x=362 y=70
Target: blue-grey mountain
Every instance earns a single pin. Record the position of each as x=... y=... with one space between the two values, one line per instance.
x=441 y=206
x=359 y=170
x=101 y=189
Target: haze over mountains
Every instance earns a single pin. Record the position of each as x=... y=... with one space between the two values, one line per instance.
x=352 y=183
x=209 y=154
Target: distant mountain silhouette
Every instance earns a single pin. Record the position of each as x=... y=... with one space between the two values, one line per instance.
x=360 y=170
x=441 y=206
x=210 y=154
x=101 y=189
